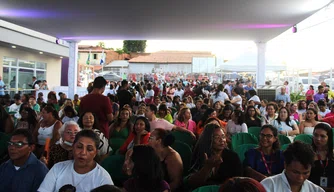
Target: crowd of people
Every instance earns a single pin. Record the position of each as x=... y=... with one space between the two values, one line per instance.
x=60 y=145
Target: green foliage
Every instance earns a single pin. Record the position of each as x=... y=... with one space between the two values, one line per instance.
x=134 y=46
x=101 y=44
x=296 y=96
x=119 y=51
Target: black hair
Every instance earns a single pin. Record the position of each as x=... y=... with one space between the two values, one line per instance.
x=320 y=87
x=301 y=152
x=17 y=97
x=163 y=107
x=70 y=109
x=240 y=115
x=147 y=124
x=276 y=144
x=206 y=114
x=166 y=137
x=247 y=112
x=241 y=184
x=321 y=102
x=314 y=111
x=124 y=82
x=51 y=109
x=32 y=117
x=106 y=188
x=287 y=121
x=252 y=92
x=147 y=168
x=219 y=89
x=326 y=127
x=89 y=134
x=96 y=124
x=99 y=82
x=68 y=188
x=202 y=146
x=149 y=86
x=25 y=133
x=153 y=108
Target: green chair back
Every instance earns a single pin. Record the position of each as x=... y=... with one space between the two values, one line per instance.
x=304 y=138
x=185 y=152
x=116 y=143
x=283 y=147
x=113 y=165
x=243 y=138
x=255 y=131
x=184 y=137
x=242 y=149
x=283 y=140
x=209 y=188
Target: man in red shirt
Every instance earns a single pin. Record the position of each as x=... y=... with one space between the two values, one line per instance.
x=99 y=104
x=156 y=89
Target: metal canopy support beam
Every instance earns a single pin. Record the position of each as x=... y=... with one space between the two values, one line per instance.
x=73 y=69
x=261 y=63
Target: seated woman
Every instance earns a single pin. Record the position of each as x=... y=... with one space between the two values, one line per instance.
x=294 y=115
x=307 y=126
x=267 y=159
x=312 y=105
x=218 y=106
x=284 y=125
x=207 y=114
x=28 y=119
x=271 y=115
x=184 y=120
x=164 y=114
x=171 y=162
x=48 y=127
x=83 y=172
x=323 y=168
x=226 y=114
x=212 y=162
x=252 y=117
x=69 y=114
x=236 y=124
x=139 y=135
x=148 y=176
x=68 y=102
x=89 y=121
x=62 y=151
x=122 y=127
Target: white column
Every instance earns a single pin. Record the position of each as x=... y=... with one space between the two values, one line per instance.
x=261 y=64
x=73 y=69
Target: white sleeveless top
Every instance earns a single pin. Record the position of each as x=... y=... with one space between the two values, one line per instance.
x=45 y=132
x=308 y=130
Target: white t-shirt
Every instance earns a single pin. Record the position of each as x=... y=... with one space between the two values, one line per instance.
x=179 y=93
x=255 y=98
x=240 y=101
x=63 y=173
x=279 y=183
x=138 y=97
x=65 y=119
x=222 y=96
x=233 y=128
x=283 y=126
x=323 y=114
x=149 y=94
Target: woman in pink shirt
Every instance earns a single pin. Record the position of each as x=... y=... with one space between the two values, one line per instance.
x=309 y=94
x=184 y=120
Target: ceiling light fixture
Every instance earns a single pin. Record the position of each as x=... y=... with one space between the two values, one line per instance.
x=13 y=46
x=61 y=57
x=41 y=53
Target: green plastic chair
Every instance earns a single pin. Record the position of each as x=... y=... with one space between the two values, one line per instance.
x=283 y=147
x=184 y=137
x=113 y=165
x=283 y=140
x=243 y=138
x=304 y=138
x=255 y=131
x=185 y=152
x=116 y=143
x=242 y=149
x=209 y=188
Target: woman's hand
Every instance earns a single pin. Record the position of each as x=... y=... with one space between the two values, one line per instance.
x=213 y=161
x=128 y=164
x=43 y=160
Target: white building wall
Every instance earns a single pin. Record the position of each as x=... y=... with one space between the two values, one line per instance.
x=148 y=68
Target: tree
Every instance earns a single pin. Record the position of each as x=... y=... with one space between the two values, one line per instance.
x=101 y=44
x=134 y=46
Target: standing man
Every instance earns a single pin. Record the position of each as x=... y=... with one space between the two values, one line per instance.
x=283 y=96
x=99 y=104
x=34 y=79
x=247 y=89
x=2 y=87
x=23 y=172
x=298 y=161
x=228 y=87
x=320 y=94
x=123 y=95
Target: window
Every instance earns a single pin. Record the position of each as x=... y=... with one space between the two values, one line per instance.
x=95 y=56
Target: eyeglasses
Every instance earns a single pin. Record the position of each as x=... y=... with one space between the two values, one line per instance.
x=217 y=137
x=268 y=136
x=17 y=144
x=71 y=133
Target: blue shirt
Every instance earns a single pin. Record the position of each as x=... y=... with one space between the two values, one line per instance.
x=254 y=160
x=26 y=179
x=2 y=84
x=285 y=98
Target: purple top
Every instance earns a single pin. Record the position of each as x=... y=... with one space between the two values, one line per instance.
x=318 y=96
x=131 y=185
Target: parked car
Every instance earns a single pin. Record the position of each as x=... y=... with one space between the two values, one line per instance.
x=305 y=83
x=111 y=76
x=328 y=81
